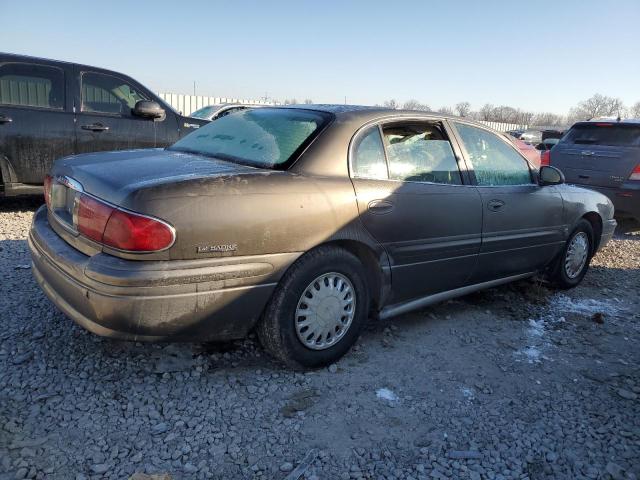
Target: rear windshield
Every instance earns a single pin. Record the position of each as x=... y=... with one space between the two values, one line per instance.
x=604 y=134
x=264 y=137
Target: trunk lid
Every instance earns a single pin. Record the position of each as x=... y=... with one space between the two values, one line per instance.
x=114 y=176
x=598 y=153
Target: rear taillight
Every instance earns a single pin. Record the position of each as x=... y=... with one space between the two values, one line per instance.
x=121 y=229
x=635 y=175
x=92 y=217
x=128 y=231
x=48 y=180
x=545 y=158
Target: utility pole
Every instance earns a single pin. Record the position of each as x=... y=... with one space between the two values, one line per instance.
x=194 y=88
x=345 y=99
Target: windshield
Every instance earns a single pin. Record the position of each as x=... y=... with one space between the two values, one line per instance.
x=205 y=112
x=622 y=135
x=265 y=137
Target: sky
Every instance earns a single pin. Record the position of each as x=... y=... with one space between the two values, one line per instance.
x=540 y=56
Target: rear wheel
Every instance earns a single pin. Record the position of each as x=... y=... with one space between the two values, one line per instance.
x=573 y=263
x=318 y=309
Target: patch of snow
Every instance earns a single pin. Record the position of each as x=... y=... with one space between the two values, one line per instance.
x=387 y=395
x=536 y=342
x=536 y=328
x=532 y=354
x=584 y=306
x=467 y=393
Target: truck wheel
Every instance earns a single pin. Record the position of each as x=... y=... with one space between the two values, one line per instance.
x=573 y=262
x=317 y=310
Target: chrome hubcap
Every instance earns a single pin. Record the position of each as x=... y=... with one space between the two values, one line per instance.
x=325 y=311
x=577 y=254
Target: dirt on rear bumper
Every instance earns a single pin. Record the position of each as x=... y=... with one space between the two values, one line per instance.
x=199 y=300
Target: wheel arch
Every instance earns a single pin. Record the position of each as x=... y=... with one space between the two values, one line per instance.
x=374 y=264
x=595 y=220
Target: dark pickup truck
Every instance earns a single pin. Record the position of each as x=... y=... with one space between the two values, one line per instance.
x=50 y=109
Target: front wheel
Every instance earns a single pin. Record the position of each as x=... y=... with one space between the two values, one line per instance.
x=318 y=309
x=573 y=263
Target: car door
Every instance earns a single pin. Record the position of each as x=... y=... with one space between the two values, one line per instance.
x=417 y=202
x=522 y=227
x=105 y=120
x=36 y=119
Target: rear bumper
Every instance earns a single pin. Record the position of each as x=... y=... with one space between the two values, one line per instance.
x=193 y=300
x=626 y=200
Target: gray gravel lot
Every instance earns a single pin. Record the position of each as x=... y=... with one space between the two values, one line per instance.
x=515 y=382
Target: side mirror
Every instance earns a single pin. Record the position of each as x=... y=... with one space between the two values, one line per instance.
x=550 y=175
x=148 y=109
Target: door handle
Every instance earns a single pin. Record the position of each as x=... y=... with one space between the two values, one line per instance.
x=380 y=207
x=5 y=119
x=495 y=205
x=584 y=177
x=95 y=127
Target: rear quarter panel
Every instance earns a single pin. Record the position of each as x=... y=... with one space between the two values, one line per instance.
x=258 y=213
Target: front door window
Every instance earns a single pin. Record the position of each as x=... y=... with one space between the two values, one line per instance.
x=108 y=94
x=494 y=162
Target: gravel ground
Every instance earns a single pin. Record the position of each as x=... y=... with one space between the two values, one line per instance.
x=514 y=382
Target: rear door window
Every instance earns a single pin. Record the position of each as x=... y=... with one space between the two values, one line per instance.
x=108 y=94
x=368 y=156
x=28 y=85
x=420 y=152
x=610 y=134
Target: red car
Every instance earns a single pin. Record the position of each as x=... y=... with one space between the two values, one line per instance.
x=529 y=151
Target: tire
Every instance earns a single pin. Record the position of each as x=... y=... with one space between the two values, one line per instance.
x=563 y=276
x=278 y=329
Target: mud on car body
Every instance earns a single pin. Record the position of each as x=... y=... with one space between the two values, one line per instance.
x=50 y=109
x=300 y=222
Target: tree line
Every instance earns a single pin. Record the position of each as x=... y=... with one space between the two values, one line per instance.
x=596 y=106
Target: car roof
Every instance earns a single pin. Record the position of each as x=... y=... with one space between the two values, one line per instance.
x=626 y=121
x=365 y=113
x=18 y=57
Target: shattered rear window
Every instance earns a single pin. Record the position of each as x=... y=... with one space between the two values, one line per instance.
x=265 y=137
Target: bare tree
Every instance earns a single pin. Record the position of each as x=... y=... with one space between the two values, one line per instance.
x=486 y=112
x=597 y=106
x=463 y=109
x=446 y=110
x=504 y=114
x=413 y=104
x=634 y=110
x=308 y=101
x=391 y=104
x=547 y=119
x=523 y=117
